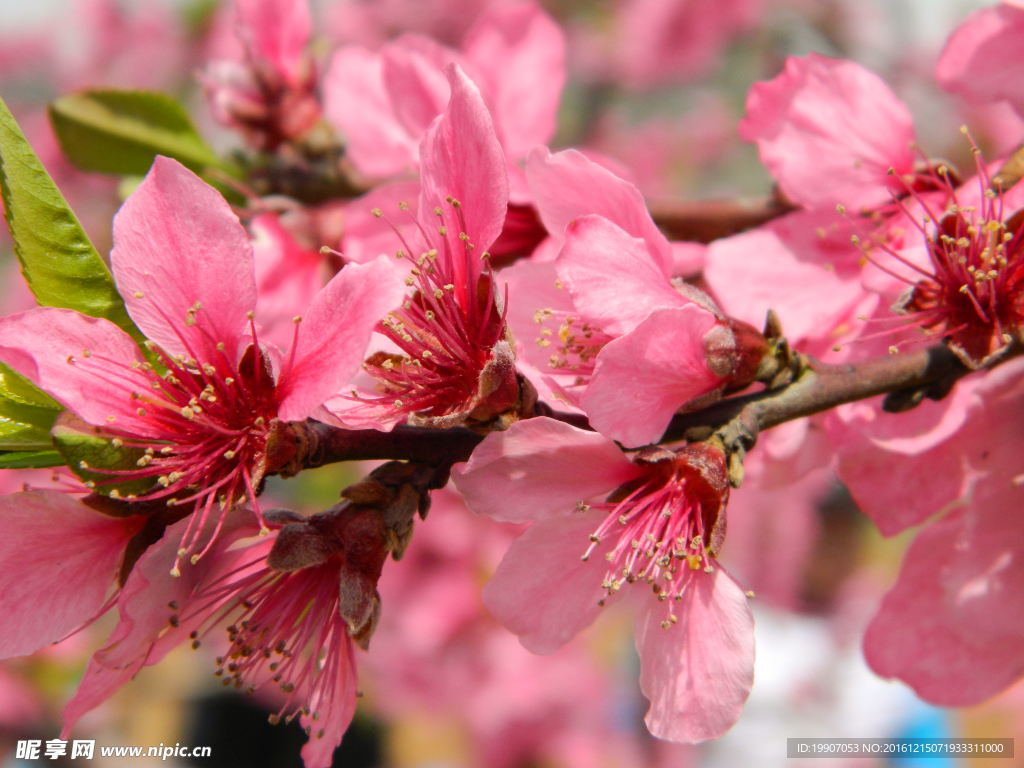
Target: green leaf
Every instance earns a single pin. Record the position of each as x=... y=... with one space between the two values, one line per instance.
x=24 y=428
x=30 y=459
x=14 y=386
x=26 y=413
x=85 y=447
x=60 y=264
x=113 y=131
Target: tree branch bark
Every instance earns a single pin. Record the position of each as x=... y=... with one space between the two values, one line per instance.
x=907 y=378
x=702 y=221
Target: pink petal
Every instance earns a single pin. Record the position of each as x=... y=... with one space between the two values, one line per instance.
x=84 y=362
x=415 y=80
x=612 y=279
x=287 y=278
x=279 y=31
x=829 y=130
x=567 y=185
x=519 y=52
x=641 y=379
x=772 y=533
x=688 y=259
x=334 y=334
x=697 y=673
x=58 y=560
x=755 y=271
x=357 y=104
x=539 y=468
x=983 y=55
x=462 y=159
x=319 y=750
x=144 y=634
x=903 y=469
x=542 y=590
x=177 y=243
x=951 y=627
x=532 y=286
x=97 y=685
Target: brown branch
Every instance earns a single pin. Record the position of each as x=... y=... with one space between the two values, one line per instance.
x=907 y=379
x=436 y=447
x=705 y=220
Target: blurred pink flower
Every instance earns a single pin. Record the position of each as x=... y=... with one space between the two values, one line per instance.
x=662 y=525
x=666 y=156
x=676 y=40
x=288 y=277
x=983 y=56
x=383 y=102
x=371 y=24
x=21 y=708
x=140 y=47
x=772 y=532
x=266 y=90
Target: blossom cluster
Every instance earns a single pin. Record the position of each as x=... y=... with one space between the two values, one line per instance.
x=398 y=266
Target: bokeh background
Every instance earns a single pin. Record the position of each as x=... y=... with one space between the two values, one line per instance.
x=657 y=86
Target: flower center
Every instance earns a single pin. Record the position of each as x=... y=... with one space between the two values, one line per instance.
x=666 y=528
x=971 y=293
x=288 y=631
x=446 y=330
x=574 y=343
x=202 y=427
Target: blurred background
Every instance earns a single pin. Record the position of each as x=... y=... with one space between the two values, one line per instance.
x=656 y=86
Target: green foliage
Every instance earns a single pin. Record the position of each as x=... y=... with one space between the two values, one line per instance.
x=26 y=414
x=113 y=131
x=30 y=459
x=60 y=264
x=85 y=447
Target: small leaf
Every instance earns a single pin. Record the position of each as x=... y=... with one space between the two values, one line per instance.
x=26 y=413
x=86 y=448
x=14 y=386
x=24 y=428
x=59 y=263
x=113 y=131
x=30 y=459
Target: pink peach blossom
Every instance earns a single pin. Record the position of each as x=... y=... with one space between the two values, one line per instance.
x=637 y=344
x=437 y=652
x=661 y=525
x=185 y=267
x=829 y=131
x=803 y=267
x=455 y=362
